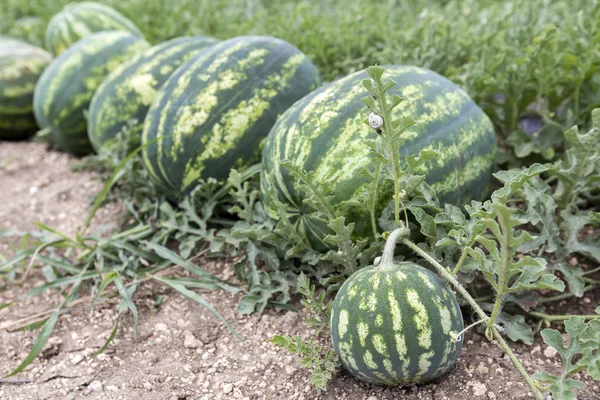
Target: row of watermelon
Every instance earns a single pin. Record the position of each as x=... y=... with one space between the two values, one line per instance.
x=204 y=107
x=209 y=106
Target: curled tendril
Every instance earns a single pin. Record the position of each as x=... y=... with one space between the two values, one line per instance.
x=456 y=337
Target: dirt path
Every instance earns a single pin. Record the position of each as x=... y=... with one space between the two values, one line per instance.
x=182 y=351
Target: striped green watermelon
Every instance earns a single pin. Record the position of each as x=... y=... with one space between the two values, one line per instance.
x=78 y=20
x=129 y=90
x=324 y=132
x=214 y=112
x=66 y=87
x=396 y=323
x=20 y=67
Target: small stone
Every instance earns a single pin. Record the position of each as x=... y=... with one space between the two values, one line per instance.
x=536 y=349
x=77 y=358
x=479 y=389
x=482 y=369
x=227 y=388
x=372 y=398
x=491 y=395
x=587 y=300
x=549 y=352
x=147 y=386
x=190 y=341
x=161 y=327
x=290 y=370
x=96 y=386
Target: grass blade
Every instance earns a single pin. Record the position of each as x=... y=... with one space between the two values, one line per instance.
x=40 y=341
x=127 y=300
x=109 y=340
x=60 y=282
x=52 y=230
x=198 y=299
x=176 y=259
x=107 y=280
x=59 y=263
x=33 y=325
x=20 y=256
x=4 y=305
x=201 y=284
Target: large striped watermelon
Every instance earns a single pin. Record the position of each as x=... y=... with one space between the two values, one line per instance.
x=325 y=133
x=78 y=20
x=129 y=90
x=66 y=87
x=214 y=112
x=20 y=67
x=394 y=324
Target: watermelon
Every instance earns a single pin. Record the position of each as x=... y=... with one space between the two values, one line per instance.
x=324 y=133
x=78 y=20
x=66 y=87
x=20 y=67
x=129 y=90
x=396 y=323
x=215 y=111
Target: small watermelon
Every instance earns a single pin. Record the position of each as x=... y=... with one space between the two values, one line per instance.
x=396 y=323
x=324 y=133
x=20 y=67
x=78 y=20
x=129 y=90
x=66 y=87
x=214 y=112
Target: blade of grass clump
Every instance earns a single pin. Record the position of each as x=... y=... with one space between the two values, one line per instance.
x=20 y=256
x=176 y=259
x=40 y=341
x=60 y=282
x=135 y=250
x=198 y=299
x=24 y=241
x=114 y=177
x=33 y=325
x=109 y=340
x=5 y=305
x=60 y=264
x=106 y=280
x=201 y=284
x=126 y=296
x=56 y=232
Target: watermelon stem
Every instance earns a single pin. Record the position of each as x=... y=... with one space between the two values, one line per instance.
x=387 y=259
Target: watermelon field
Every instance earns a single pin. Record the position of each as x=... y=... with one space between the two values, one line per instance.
x=262 y=199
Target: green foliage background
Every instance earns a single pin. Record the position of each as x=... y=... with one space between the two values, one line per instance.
x=523 y=58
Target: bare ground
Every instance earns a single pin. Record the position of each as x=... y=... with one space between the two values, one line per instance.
x=182 y=351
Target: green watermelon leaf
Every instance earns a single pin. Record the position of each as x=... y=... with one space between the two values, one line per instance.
x=321 y=362
x=576 y=174
x=516 y=328
x=583 y=339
